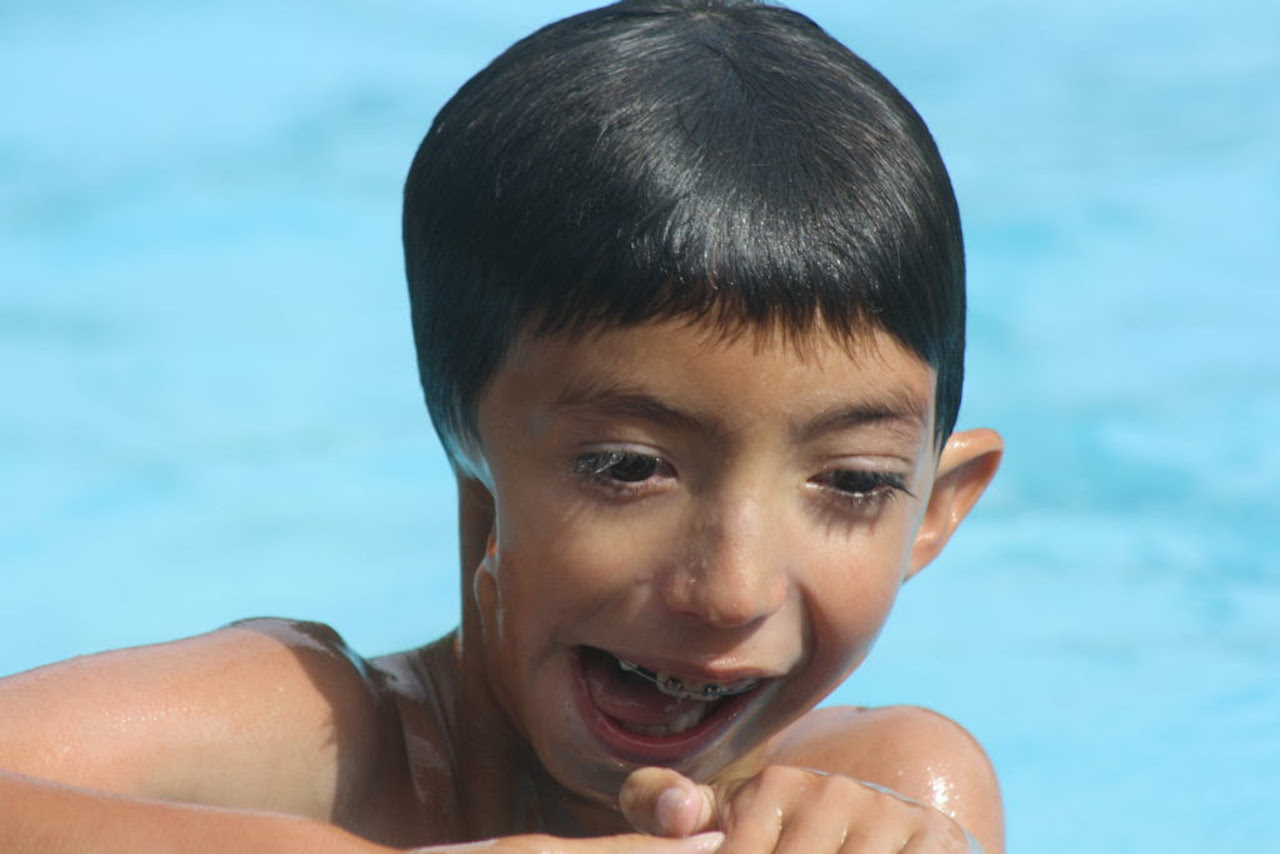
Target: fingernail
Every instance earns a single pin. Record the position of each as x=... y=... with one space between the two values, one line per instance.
x=671 y=803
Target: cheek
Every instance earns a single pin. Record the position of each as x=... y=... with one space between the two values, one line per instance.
x=852 y=617
x=850 y=592
x=557 y=559
x=842 y=634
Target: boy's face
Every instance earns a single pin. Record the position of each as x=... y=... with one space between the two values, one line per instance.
x=727 y=518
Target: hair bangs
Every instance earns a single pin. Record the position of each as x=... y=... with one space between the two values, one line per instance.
x=729 y=163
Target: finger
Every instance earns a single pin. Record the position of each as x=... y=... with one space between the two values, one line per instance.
x=826 y=818
x=665 y=803
x=807 y=834
x=702 y=843
x=943 y=837
x=630 y=843
x=785 y=811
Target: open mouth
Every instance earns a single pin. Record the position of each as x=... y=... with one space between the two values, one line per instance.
x=651 y=716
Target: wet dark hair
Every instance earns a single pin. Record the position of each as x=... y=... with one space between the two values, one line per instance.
x=727 y=162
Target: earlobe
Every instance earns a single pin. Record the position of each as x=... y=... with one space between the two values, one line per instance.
x=967 y=464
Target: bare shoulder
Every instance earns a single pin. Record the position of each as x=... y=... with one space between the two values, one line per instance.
x=916 y=752
x=265 y=714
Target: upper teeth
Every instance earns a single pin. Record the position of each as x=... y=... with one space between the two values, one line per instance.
x=688 y=689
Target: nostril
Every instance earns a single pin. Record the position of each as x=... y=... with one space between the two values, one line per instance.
x=728 y=600
x=728 y=574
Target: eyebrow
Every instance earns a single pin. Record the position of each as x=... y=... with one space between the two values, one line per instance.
x=903 y=412
x=618 y=401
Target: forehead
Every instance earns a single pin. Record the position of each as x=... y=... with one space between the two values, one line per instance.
x=720 y=376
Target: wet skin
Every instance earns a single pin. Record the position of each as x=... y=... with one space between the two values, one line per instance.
x=720 y=509
x=713 y=510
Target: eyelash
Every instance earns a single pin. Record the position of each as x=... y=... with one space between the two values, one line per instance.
x=596 y=468
x=869 y=491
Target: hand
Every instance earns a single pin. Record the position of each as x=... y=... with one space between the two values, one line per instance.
x=790 y=811
x=630 y=843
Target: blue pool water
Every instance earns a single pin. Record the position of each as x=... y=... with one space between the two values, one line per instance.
x=210 y=409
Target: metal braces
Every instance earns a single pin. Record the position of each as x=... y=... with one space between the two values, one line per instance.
x=672 y=686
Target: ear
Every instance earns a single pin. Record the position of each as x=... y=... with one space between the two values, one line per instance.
x=476 y=518
x=475 y=521
x=967 y=463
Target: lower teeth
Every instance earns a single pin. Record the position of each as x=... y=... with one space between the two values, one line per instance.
x=690 y=714
x=679 y=723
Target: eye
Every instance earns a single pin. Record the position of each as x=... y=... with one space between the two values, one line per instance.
x=620 y=474
x=623 y=466
x=864 y=488
x=862 y=482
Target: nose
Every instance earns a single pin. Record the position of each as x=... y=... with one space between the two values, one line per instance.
x=730 y=571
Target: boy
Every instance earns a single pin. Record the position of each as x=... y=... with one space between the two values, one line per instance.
x=687 y=290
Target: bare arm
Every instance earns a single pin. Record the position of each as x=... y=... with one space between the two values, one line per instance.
x=912 y=751
x=37 y=815
x=840 y=780
x=272 y=722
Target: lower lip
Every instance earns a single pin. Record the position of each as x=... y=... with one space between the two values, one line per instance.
x=653 y=750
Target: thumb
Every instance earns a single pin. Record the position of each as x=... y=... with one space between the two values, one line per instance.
x=665 y=803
